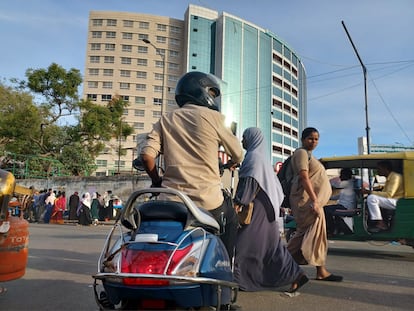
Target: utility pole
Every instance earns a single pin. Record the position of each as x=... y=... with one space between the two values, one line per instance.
x=364 y=69
x=162 y=91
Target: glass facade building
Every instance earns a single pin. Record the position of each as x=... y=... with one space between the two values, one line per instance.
x=264 y=80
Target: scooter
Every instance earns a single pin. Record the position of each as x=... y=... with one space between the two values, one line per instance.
x=164 y=252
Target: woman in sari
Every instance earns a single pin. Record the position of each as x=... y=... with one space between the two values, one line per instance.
x=262 y=260
x=310 y=192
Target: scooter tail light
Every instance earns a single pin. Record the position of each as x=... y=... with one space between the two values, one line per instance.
x=151 y=262
x=186 y=263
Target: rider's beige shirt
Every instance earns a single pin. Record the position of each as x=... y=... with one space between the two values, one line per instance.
x=189 y=138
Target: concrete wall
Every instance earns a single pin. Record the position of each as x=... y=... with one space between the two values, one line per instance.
x=121 y=186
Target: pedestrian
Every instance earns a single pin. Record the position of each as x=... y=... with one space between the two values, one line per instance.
x=310 y=192
x=101 y=207
x=84 y=210
x=74 y=202
x=95 y=208
x=386 y=198
x=262 y=260
x=41 y=205
x=346 y=200
x=189 y=140
x=49 y=205
x=59 y=208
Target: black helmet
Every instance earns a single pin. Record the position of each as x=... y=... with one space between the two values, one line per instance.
x=198 y=88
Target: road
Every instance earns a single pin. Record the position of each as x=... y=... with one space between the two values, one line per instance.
x=62 y=259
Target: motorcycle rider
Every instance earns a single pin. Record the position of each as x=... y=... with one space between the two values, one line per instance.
x=189 y=139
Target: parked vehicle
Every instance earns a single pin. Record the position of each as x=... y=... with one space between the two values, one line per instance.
x=163 y=253
x=356 y=221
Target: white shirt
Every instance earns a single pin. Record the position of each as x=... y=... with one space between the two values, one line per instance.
x=346 y=197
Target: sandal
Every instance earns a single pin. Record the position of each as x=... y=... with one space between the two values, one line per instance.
x=302 y=280
x=331 y=278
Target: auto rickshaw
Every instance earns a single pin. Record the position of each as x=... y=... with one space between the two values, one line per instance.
x=356 y=221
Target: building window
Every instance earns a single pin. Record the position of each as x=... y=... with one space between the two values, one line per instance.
x=97 y=22
x=124 y=86
x=157 y=101
x=109 y=47
x=140 y=100
x=126 y=60
x=140 y=87
x=141 y=74
x=96 y=34
x=173 y=78
x=121 y=163
x=109 y=59
x=139 y=125
x=161 y=27
x=174 y=41
x=159 y=64
x=92 y=97
x=142 y=62
x=157 y=89
x=158 y=76
x=175 y=29
x=128 y=23
x=161 y=39
x=143 y=25
x=125 y=73
x=101 y=163
x=125 y=98
x=95 y=46
x=142 y=36
x=93 y=84
x=173 y=66
x=111 y=22
x=94 y=59
x=126 y=48
x=106 y=97
x=139 y=113
x=142 y=49
x=110 y=34
x=93 y=71
x=156 y=114
x=107 y=84
x=108 y=72
x=127 y=35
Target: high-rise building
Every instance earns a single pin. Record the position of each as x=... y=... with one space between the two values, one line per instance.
x=140 y=57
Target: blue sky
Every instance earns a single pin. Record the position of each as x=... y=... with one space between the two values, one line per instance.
x=36 y=33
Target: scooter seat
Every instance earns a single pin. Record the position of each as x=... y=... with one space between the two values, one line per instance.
x=163 y=210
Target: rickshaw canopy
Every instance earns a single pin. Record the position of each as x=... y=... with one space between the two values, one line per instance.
x=403 y=163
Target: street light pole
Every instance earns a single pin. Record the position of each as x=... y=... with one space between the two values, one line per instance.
x=119 y=144
x=364 y=69
x=162 y=87
x=163 y=72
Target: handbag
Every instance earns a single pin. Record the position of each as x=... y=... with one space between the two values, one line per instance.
x=246 y=212
x=245 y=215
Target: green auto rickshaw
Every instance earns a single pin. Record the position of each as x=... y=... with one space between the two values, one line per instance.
x=355 y=222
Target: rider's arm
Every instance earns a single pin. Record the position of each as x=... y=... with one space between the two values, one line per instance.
x=151 y=169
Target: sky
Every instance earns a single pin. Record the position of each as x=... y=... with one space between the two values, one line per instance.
x=36 y=33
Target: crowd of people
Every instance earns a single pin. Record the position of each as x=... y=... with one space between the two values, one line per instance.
x=52 y=206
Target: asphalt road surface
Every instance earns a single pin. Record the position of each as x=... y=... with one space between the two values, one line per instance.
x=62 y=259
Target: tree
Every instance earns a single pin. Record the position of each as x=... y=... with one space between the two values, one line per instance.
x=20 y=121
x=61 y=127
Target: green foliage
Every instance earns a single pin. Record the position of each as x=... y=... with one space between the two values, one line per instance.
x=36 y=130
